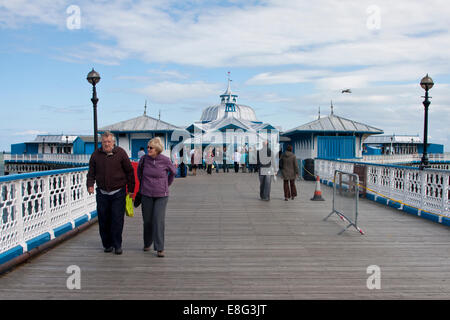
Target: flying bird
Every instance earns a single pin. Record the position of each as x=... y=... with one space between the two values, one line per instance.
x=346 y=91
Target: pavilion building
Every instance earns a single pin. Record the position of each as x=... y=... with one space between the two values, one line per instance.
x=135 y=133
x=229 y=119
x=331 y=137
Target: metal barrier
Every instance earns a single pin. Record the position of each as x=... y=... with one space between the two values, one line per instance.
x=420 y=192
x=345 y=198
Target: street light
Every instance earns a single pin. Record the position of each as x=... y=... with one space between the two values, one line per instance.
x=93 y=78
x=426 y=83
x=67 y=144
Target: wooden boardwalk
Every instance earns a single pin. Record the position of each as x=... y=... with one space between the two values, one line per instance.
x=222 y=242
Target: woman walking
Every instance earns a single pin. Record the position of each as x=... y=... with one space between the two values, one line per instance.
x=209 y=160
x=289 y=172
x=155 y=173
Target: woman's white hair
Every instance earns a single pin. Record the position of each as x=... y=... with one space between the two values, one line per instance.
x=157 y=144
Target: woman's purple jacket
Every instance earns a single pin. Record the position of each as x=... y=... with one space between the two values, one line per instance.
x=155 y=175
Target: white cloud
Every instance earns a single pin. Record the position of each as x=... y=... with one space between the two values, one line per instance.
x=29 y=133
x=173 y=92
x=200 y=33
x=323 y=43
x=16 y=13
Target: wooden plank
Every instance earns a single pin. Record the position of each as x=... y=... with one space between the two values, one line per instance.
x=222 y=242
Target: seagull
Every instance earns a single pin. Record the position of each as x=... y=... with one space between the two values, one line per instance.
x=347 y=91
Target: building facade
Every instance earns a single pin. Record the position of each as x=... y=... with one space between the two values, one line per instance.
x=331 y=137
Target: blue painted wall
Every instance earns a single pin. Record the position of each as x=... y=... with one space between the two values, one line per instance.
x=21 y=148
x=332 y=147
x=81 y=147
x=18 y=148
x=78 y=146
x=372 y=151
x=136 y=145
x=432 y=148
x=32 y=148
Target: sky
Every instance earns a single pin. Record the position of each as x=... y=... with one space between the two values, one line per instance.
x=287 y=59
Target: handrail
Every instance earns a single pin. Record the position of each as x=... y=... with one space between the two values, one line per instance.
x=49 y=157
x=39 y=207
x=427 y=190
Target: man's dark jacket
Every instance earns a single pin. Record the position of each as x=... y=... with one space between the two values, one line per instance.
x=111 y=172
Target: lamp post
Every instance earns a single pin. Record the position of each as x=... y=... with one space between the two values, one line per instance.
x=67 y=144
x=93 y=78
x=426 y=83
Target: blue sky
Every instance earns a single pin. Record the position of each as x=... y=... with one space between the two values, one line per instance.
x=286 y=58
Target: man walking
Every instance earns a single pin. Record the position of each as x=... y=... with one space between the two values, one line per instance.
x=265 y=161
x=111 y=169
x=289 y=171
x=236 y=159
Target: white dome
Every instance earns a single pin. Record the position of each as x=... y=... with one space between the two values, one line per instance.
x=217 y=112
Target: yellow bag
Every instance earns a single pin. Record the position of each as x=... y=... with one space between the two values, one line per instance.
x=129 y=206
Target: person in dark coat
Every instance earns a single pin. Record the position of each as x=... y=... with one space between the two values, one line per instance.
x=289 y=173
x=111 y=170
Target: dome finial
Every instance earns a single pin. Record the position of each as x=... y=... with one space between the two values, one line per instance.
x=228 y=96
x=229 y=84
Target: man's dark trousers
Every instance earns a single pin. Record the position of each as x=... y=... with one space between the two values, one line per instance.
x=111 y=212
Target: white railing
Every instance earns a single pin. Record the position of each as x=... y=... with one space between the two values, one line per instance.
x=404 y=158
x=427 y=190
x=34 y=205
x=49 y=158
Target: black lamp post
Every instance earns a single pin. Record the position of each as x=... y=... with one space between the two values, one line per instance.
x=94 y=77
x=67 y=144
x=426 y=83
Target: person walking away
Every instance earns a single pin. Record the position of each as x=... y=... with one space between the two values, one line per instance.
x=236 y=159
x=289 y=173
x=225 y=160
x=183 y=170
x=265 y=160
x=141 y=153
x=155 y=173
x=218 y=158
x=209 y=161
x=252 y=159
x=243 y=160
x=111 y=169
x=194 y=164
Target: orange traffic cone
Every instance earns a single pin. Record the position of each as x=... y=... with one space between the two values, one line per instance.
x=317 y=193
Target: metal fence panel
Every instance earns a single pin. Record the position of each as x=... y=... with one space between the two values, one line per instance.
x=346 y=198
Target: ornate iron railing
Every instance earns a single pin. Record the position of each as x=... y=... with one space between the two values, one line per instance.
x=37 y=207
x=82 y=159
x=426 y=190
